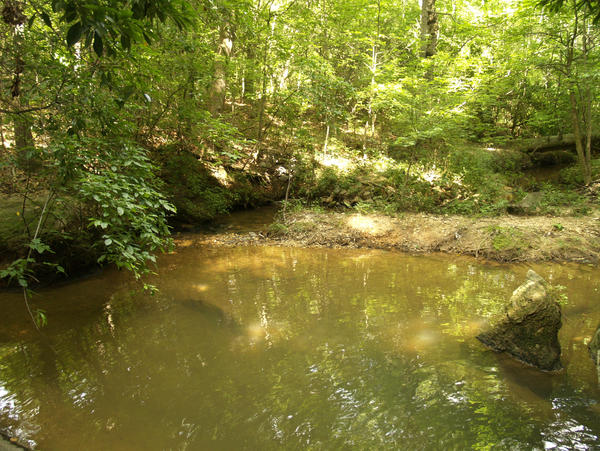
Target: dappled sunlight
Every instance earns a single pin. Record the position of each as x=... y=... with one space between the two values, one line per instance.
x=341 y=163
x=181 y=243
x=362 y=223
x=256 y=332
x=421 y=335
x=200 y=287
x=431 y=175
x=383 y=164
x=367 y=224
x=221 y=175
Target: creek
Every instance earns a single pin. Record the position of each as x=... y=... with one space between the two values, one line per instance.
x=285 y=348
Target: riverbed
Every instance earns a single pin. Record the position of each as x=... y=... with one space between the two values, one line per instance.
x=287 y=348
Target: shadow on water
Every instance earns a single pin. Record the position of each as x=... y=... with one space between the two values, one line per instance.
x=270 y=348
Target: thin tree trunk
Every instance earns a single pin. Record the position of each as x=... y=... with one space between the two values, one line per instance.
x=587 y=102
x=2 y=137
x=429 y=28
x=578 y=138
x=584 y=162
x=326 y=143
x=219 y=85
x=21 y=122
x=372 y=113
x=263 y=95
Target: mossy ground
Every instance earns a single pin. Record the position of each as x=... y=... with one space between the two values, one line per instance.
x=11 y=226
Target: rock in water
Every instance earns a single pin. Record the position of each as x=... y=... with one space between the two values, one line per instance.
x=594 y=348
x=529 y=329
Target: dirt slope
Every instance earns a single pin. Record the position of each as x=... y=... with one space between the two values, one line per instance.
x=506 y=238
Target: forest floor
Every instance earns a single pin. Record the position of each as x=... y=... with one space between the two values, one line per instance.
x=504 y=238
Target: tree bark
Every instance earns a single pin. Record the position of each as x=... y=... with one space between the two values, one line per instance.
x=583 y=153
x=21 y=122
x=429 y=28
x=585 y=170
x=219 y=85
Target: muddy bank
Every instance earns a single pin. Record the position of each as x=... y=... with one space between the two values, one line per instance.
x=505 y=239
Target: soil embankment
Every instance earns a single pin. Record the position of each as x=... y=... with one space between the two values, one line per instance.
x=505 y=239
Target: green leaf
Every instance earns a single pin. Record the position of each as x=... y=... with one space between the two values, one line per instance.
x=120 y=211
x=46 y=18
x=107 y=242
x=58 y=5
x=98 y=45
x=70 y=12
x=74 y=34
x=147 y=38
x=38 y=246
x=125 y=42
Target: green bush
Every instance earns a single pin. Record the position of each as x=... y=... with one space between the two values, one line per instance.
x=571 y=176
x=554 y=200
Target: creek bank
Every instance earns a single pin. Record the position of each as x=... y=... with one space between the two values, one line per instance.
x=504 y=238
x=528 y=330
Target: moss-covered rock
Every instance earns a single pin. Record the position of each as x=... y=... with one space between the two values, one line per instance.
x=201 y=191
x=528 y=331
x=529 y=205
x=195 y=192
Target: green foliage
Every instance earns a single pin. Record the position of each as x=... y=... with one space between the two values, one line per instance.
x=114 y=183
x=127 y=208
x=555 y=200
x=115 y=22
x=197 y=195
x=572 y=177
x=461 y=180
x=19 y=270
x=506 y=238
x=278 y=228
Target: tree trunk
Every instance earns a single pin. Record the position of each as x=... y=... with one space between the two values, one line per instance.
x=249 y=79
x=263 y=94
x=21 y=122
x=218 y=88
x=374 y=63
x=326 y=143
x=429 y=28
x=585 y=167
x=577 y=110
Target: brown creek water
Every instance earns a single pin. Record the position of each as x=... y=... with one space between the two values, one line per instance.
x=276 y=348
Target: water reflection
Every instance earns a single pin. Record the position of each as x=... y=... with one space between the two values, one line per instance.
x=264 y=348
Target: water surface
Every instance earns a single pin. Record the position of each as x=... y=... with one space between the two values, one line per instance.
x=278 y=348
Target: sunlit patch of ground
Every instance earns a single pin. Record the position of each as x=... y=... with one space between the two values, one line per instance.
x=504 y=239
x=368 y=224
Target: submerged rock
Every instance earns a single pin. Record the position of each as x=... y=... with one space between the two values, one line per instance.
x=529 y=329
x=594 y=348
